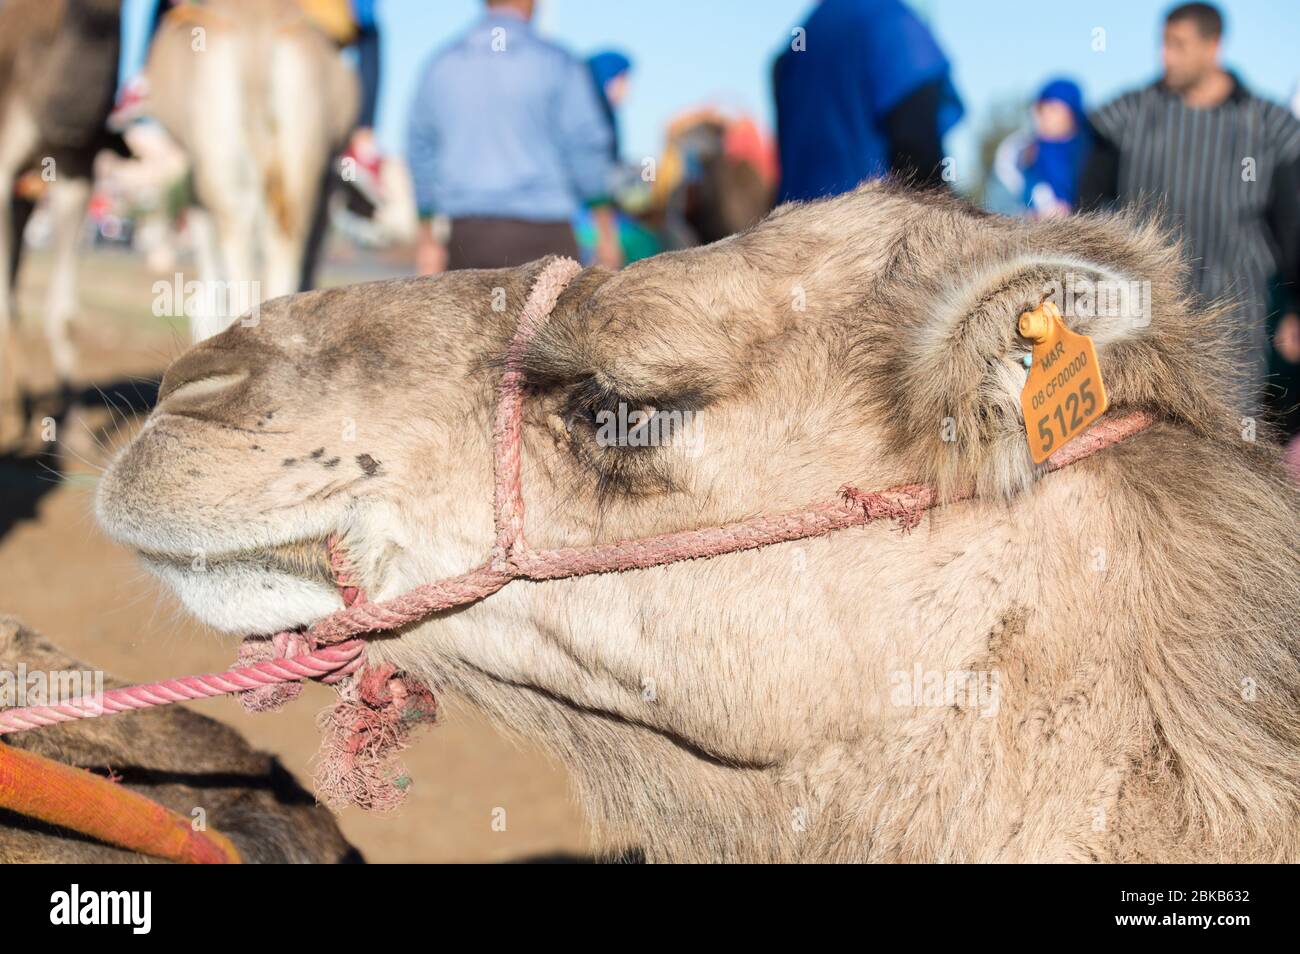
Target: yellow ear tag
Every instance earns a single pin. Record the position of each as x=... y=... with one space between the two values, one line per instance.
x=1064 y=393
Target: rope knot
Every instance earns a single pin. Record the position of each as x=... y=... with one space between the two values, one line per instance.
x=501 y=559
x=256 y=649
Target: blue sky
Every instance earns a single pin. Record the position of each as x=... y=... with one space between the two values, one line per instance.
x=691 y=51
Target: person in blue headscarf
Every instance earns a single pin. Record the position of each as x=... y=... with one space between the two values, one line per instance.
x=862 y=91
x=610 y=70
x=1040 y=168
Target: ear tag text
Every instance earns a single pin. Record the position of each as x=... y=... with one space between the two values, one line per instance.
x=1064 y=393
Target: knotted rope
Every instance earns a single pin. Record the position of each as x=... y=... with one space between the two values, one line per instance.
x=328 y=664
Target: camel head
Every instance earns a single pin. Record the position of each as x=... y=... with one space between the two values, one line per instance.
x=749 y=705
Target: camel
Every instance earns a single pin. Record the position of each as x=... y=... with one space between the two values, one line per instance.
x=260 y=100
x=58 y=74
x=1126 y=627
x=176 y=757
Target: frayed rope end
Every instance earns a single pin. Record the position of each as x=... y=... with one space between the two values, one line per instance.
x=364 y=734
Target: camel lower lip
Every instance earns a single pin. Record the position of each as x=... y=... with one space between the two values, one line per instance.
x=307 y=559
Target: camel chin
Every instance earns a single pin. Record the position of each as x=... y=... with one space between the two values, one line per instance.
x=244 y=595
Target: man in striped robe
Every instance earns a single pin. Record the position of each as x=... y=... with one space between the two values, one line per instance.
x=1222 y=165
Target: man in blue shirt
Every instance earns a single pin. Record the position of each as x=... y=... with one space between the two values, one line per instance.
x=507 y=141
x=862 y=91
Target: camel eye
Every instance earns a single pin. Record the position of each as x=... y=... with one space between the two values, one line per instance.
x=618 y=438
x=625 y=425
x=613 y=421
x=595 y=410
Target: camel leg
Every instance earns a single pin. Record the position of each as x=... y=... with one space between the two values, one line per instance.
x=12 y=405
x=227 y=184
x=9 y=409
x=68 y=199
x=314 y=244
x=284 y=259
x=231 y=220
x=296 y=167
x=205 y=321
x=236 y=237
x=224 y=245
x=8 y=254
x=18 y=140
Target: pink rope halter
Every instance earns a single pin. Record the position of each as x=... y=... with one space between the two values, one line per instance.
x=339 y=654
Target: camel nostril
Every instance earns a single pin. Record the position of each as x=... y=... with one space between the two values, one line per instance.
x=201 y=388
x=198 y=375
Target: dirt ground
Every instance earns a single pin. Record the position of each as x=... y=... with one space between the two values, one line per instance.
x=64 y=578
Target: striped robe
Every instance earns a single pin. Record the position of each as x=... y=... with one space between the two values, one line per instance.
x=1211 y=173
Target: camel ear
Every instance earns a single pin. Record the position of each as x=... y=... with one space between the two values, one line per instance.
x=954 y=369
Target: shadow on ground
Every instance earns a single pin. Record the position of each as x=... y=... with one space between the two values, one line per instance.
x=30 y=471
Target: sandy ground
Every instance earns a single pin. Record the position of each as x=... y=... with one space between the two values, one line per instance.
x=64 y=578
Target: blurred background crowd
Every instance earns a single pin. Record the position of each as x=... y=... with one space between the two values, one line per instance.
x=491 y=132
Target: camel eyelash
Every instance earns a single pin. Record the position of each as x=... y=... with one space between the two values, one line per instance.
x=613 y=436
x=591 y=397
x=606 y=412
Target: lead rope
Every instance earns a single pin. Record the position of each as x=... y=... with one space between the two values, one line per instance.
x=359 y=740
